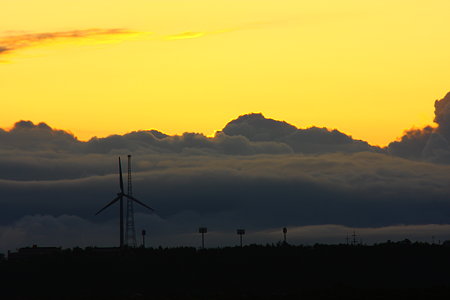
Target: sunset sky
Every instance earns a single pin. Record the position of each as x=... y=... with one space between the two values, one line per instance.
x=94 y=67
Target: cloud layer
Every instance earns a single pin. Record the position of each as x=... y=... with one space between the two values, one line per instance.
x=256 y=173
x=247 y=135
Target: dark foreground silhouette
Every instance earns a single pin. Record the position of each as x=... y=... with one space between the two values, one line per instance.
x=400 y=270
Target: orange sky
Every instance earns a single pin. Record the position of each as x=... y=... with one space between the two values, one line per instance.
x=368 y=68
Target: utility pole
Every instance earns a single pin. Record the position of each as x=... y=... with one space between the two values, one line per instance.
x=143 y=238
x=240 y=232
x=203 y=230
x=284 y=233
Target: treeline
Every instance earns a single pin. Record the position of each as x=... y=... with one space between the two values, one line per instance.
x=400 y=270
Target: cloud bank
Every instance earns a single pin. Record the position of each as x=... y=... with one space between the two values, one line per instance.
x=247 y=135
x=257 y=173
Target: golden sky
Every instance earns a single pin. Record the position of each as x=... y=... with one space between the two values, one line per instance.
x=369 y=68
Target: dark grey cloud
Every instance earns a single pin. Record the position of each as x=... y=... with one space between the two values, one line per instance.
x=257 y=192
x=412 y=143
x=429 y=143
x=256 y=128
x=41 y=138
x=188 y=143
x=442 y=115
x=257 y=173
x=247 y=135
x=30 y=137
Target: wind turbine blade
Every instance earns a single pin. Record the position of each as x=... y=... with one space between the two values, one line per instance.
x=121 y=178
x=109 y=204
x=138 y=202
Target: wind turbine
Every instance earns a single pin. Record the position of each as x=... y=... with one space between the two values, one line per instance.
x=119 y=198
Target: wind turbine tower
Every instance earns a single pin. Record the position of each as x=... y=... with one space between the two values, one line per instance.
x=119 y=197
x=130 y=233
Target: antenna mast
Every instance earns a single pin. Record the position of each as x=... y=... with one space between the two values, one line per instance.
x=130 y=233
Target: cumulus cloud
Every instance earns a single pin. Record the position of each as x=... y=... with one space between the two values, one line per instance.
x=256 y=128
x=429 y=143
x=412 y=143
x=442 y=115
x=27 y=136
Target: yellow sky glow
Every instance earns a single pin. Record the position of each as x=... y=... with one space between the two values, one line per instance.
x=368 y=68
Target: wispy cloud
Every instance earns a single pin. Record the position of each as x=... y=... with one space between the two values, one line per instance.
x=13 y=40
x=184 y=35
x=11 y=43
x=19 y=40
x=196 y=34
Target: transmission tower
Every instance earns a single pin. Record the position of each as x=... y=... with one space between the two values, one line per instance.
x=130 y=233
